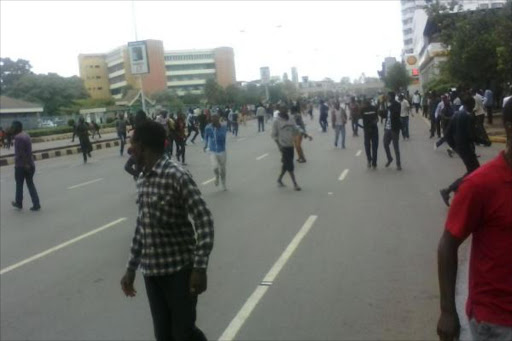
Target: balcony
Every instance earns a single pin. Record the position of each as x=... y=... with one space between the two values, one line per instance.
x=188 y=62
x=118 y=85
x=186 y=83
x=190 y=72
x=116 y=73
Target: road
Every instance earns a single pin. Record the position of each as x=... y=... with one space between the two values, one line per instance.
x=361 y=248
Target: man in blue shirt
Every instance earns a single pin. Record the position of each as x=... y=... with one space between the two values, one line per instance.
x=215 y=141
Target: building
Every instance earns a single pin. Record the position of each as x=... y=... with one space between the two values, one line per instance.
x=109 y=76
x=285 y=77
x=189 y=70
x=16 y=109
x=295 y=75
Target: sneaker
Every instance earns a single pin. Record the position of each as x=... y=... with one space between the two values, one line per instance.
x=297 y=188
x=398 y=168
x=16 y=205
x=388 y=163
x=280 y=184
x=445 y=194
x=35 y=208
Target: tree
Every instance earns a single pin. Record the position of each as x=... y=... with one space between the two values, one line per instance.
x=11 y=71
x=345 y=81
x=53 y=91
x=213 y=92
x=397 y=77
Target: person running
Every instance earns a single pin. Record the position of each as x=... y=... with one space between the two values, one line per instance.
x=121 y=132
x=95 y=129
x=382 y=107
x=461 y=137
x=416 y=101
x=215 y=142
x=260 y=115
x=435 y=101
x=354 y=115
x=425 y=102
x=392 y=128
x=202 y=119
x=171 y=251
x=445 y=115
x=284 y=131
x=297 y=116
x=82 y=131
x=310 y=110
x=181 y=138
x=405 y=109
x=339 y=120
x=482 y=209
x=371 y=132
x=191 y=126
x=488 y=103
x=324 y=113
x=24 y=167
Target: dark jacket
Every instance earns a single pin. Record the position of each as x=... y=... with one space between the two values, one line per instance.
x=394 y=107
x=461 y=134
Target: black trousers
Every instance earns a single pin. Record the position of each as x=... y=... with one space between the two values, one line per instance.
x=392 y=136
x=180 y=150
x=371 y=144
x=470 y=160
x=173 y=308
x=192 y=129
x=287 y=159
x=489 y=114
x=22 y=174
x=261 y=123
x=435 y=126
x=323 y=123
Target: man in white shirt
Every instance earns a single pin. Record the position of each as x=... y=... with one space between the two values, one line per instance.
x=416 y=100
x=404 y=116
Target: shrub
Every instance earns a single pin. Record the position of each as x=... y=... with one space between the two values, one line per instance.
x=50 y=131
x=71 y=123
x=110 y=120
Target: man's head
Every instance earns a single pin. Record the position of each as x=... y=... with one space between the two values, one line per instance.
x=16 y=127
x=215 y=117
x=468 y=102
x=140 y=117
x=401 y=97
x=148 y=142
x=391 y=96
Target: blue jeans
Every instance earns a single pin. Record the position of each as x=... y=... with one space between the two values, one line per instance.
x=487 y=331
x=405 y=126
x=339 y=130
x=21 y=174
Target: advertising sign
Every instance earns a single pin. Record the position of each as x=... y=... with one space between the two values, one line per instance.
x=138 y=57
x=265 y=74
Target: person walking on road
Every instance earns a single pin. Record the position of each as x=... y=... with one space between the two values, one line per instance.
x=354 y=115
x=297 y=116
x=481 y=208
x=416 y=101
x=405 y=110
x=435 y=101
x=260 y=114
x=339 y=120
x=95 y=129
x=324 y=113
x=284 y=131
x=82 y=131
x=488 y=103
x=215 y=142
x=234 y=122
x=121 y=132
x=461 y=137
x=371 y=132
x=192 y=126
x=24 y=167
x=181 y=138
x=392 y=128
x=171 y=252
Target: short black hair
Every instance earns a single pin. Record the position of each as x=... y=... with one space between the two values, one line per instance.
x=507 y=112
x=468 y=102
x=150 y=134
x=17 y=127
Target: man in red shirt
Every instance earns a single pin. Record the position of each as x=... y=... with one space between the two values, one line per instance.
x=482 y=207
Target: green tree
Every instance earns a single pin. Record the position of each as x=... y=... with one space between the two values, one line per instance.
x=169 y=99
x=397 y=77
x=53 y=91
x=213 y=92
x=11 y=71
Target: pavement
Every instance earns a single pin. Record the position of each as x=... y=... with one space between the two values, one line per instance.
x=360 y=260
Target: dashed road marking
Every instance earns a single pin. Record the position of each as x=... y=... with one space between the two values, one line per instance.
x=358 y=152
x=244 y=313
x=85 y=183
x=60 y=246
x=343 y=175
x=208 y=181
x=262 y=156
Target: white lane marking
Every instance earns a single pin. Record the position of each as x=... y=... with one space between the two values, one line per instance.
x=330 y=193
x=262 y=156
x=343 y=175
x=60 y=246
x=85 y=183
x=358 y=152
x=242 y=138
x=208 y=181
x=244 y=313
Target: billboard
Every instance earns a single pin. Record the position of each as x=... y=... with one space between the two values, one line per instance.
x=138 y=57
x=265 y=74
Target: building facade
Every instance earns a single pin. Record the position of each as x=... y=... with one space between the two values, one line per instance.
x=109 y=76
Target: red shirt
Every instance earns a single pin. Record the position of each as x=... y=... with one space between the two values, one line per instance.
x=483 y=207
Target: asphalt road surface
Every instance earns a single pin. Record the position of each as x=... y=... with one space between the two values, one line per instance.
x=352 y=256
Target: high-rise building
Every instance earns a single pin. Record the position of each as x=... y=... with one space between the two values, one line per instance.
x=295 y=75
x=285 y=77
x=184 y=71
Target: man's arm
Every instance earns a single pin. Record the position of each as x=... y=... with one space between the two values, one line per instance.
x=135 y=255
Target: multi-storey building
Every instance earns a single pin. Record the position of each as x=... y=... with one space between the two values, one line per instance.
x=109 y=75
x=295 y=75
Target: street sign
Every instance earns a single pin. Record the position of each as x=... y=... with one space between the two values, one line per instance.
x=265 y=74
x=138 y=57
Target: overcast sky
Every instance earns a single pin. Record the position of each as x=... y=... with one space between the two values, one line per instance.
x=322 y=39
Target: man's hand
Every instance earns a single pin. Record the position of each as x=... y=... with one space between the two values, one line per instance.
x=448 y=326
x=198 y=281
x=127 y=283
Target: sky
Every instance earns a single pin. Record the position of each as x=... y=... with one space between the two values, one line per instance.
x=321 y=38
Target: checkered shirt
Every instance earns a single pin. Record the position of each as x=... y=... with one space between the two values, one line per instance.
x=165 y=240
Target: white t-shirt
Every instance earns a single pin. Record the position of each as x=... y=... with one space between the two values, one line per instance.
x=338 y=117
x=416 y=99
x=404 y=108
x=479 y=105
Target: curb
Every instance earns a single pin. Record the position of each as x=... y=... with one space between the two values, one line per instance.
x=63 y=151
x=64 y=136
x=498 y=139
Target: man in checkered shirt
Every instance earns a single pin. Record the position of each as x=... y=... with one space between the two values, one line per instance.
x=171 y=252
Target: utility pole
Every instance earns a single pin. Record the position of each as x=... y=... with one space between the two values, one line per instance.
x=134 y=20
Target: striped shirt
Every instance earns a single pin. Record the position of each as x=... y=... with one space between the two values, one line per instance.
x=165 y=240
